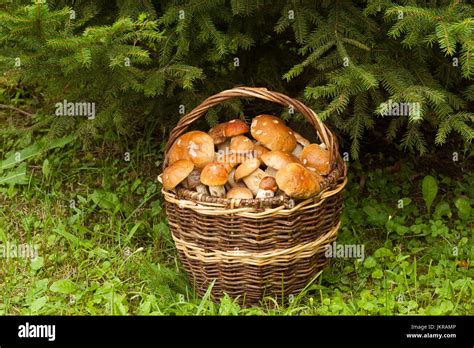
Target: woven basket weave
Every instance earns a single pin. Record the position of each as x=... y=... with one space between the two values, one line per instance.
x=255 y=247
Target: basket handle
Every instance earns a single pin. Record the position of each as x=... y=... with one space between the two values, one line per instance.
x=262 y=93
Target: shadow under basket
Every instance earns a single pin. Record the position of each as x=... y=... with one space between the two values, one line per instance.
x=255 y=247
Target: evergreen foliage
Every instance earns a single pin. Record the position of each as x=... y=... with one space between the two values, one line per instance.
x=140 y=60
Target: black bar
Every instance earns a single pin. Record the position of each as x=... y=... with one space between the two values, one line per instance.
x=240 y=330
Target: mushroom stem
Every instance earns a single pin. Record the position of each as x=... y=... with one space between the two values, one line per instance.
x=264 y=194
x=192 y=180
x=297 y=151
x=201 y=189
x=253 y=180
x=231 y=180
x=217 y=191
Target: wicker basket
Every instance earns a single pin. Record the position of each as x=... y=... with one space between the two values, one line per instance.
x=255 y=247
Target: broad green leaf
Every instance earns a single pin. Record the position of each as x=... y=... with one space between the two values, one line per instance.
x=377 y=274
x=464 y=208
x=20 y=156
x=70 y=237
x=375 y=216
x=442 y=209
x=37 y=263
x=42 y=284
x=63 y=286
x=406 y=201
x=382 y=252
x=60 y=142
x=446 y=306
x=120 y=305
x=34 y=150
x=370 y=262
x=429 y=190
x=39 y=303
x=46 y=169
x=106 y=200
x=16 y=176
x=401 y=229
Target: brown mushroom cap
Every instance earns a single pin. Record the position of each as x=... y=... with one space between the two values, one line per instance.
x=217 y=133
x=176 y=173
x=228 y=166
x=195 y=146
x=278 y=159
x=222 y=131
x=259 y=150
x=297 y=181
x=235 y=127
x=246 y=168
x=272 y=133
x=241 y=144
x=268 y=183
x=178 y=151
x=214 y=174
x=315 y=158
x=240 y=193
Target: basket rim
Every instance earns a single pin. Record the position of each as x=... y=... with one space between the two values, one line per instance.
x=329 y=181
x=217 y=209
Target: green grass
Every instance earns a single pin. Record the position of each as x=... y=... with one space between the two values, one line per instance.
x=105 y=246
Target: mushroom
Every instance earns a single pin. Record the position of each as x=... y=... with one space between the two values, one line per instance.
x=195 y=146
x=241 y=148
x=259 y=150
x=252 y=181
x=301 y=142
x=176 y=173
x=228 y=158
x=228 y=166
x=297 y=181
x=275 y=160
x=224 y=148
x=229 y=162
x=240 y=193
x=246 y=168
x=267 y=187
x=272 y=133
x=236 y=127
x=217 y=133
x=316 y=159
x=222 y=131
x=231 y=180
x=193 y=182
x=250 y=173
x=214 y=175
x=297 y=151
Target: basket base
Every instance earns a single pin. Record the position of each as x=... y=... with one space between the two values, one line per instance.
x=249 y=277
x=250 y=284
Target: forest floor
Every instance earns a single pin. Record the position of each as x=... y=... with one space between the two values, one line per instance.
x=104 y=246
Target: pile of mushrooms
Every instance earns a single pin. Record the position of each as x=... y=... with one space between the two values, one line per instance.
x=227 y=163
